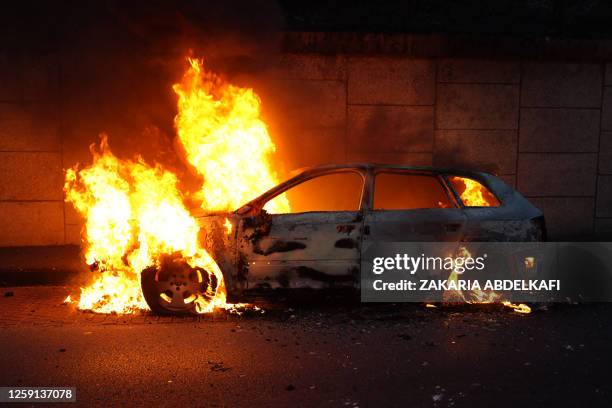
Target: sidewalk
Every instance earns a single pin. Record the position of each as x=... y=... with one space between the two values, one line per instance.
x=40 y=265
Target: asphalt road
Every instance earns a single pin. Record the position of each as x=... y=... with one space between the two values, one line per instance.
x=320 y=354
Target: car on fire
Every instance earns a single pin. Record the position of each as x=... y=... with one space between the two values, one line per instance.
x=334 y=211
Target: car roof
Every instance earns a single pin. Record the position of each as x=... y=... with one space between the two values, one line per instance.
x=510 y=199
x=382 y=166
x=306 y=173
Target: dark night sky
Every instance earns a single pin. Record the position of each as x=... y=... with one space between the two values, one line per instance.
x=525 y=18
x=47 y=24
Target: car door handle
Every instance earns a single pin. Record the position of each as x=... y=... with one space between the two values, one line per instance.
x=366 y=230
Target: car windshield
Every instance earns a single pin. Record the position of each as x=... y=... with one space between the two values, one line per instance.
x=330 y=192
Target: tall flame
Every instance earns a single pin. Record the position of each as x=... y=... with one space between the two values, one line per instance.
x=225 y=140
x=134 y=211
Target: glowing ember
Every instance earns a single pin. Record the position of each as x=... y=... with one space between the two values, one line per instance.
x=520 y=308
x=228 y=226
x=478 y=295
x=225 y=140
x=473 y=194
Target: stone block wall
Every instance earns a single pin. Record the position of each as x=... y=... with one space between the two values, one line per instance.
x=31 y=176
x=545 y=126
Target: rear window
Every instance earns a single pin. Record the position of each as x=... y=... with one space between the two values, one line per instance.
x=472 y=193
x=397 y=191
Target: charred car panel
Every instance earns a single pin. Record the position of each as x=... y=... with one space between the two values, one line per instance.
x=322 y=249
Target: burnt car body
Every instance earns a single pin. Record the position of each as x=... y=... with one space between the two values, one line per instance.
x=321 y=247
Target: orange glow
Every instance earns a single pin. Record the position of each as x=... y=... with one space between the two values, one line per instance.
x=478 y=295
x=520 y=308
x=472 y=193
x=134 y=211
x=225 y=140
x=228 y=226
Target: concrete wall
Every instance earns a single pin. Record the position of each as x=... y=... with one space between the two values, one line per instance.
x=31 y=176
x=544 y=126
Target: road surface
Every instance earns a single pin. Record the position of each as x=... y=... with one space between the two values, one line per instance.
x=324 y=353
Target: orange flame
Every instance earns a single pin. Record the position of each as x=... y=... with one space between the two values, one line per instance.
x=228 y=226
x=134 y=211
x=478 y=295
x=520 y=308
x=473 y=194
x=225 y=140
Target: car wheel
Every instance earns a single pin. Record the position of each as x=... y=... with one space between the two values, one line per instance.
x=174 y=286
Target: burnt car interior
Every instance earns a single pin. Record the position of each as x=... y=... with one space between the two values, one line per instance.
x=473 y=193
x=406 y=191
x=343 y=190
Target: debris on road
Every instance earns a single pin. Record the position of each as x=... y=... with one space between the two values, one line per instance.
x=217 y=366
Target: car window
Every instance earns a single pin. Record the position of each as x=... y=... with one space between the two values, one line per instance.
x=472 y=193
x=397 y=191
x=331 y=192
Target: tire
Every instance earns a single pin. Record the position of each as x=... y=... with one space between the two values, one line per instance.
x=172 y=287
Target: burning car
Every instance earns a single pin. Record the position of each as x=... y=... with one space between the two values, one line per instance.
x=316 y=242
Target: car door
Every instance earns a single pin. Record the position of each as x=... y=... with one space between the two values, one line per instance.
x=415 y=207
x=316 y=244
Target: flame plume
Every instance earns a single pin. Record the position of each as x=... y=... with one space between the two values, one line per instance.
x=134 y=211
x=225 y=140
